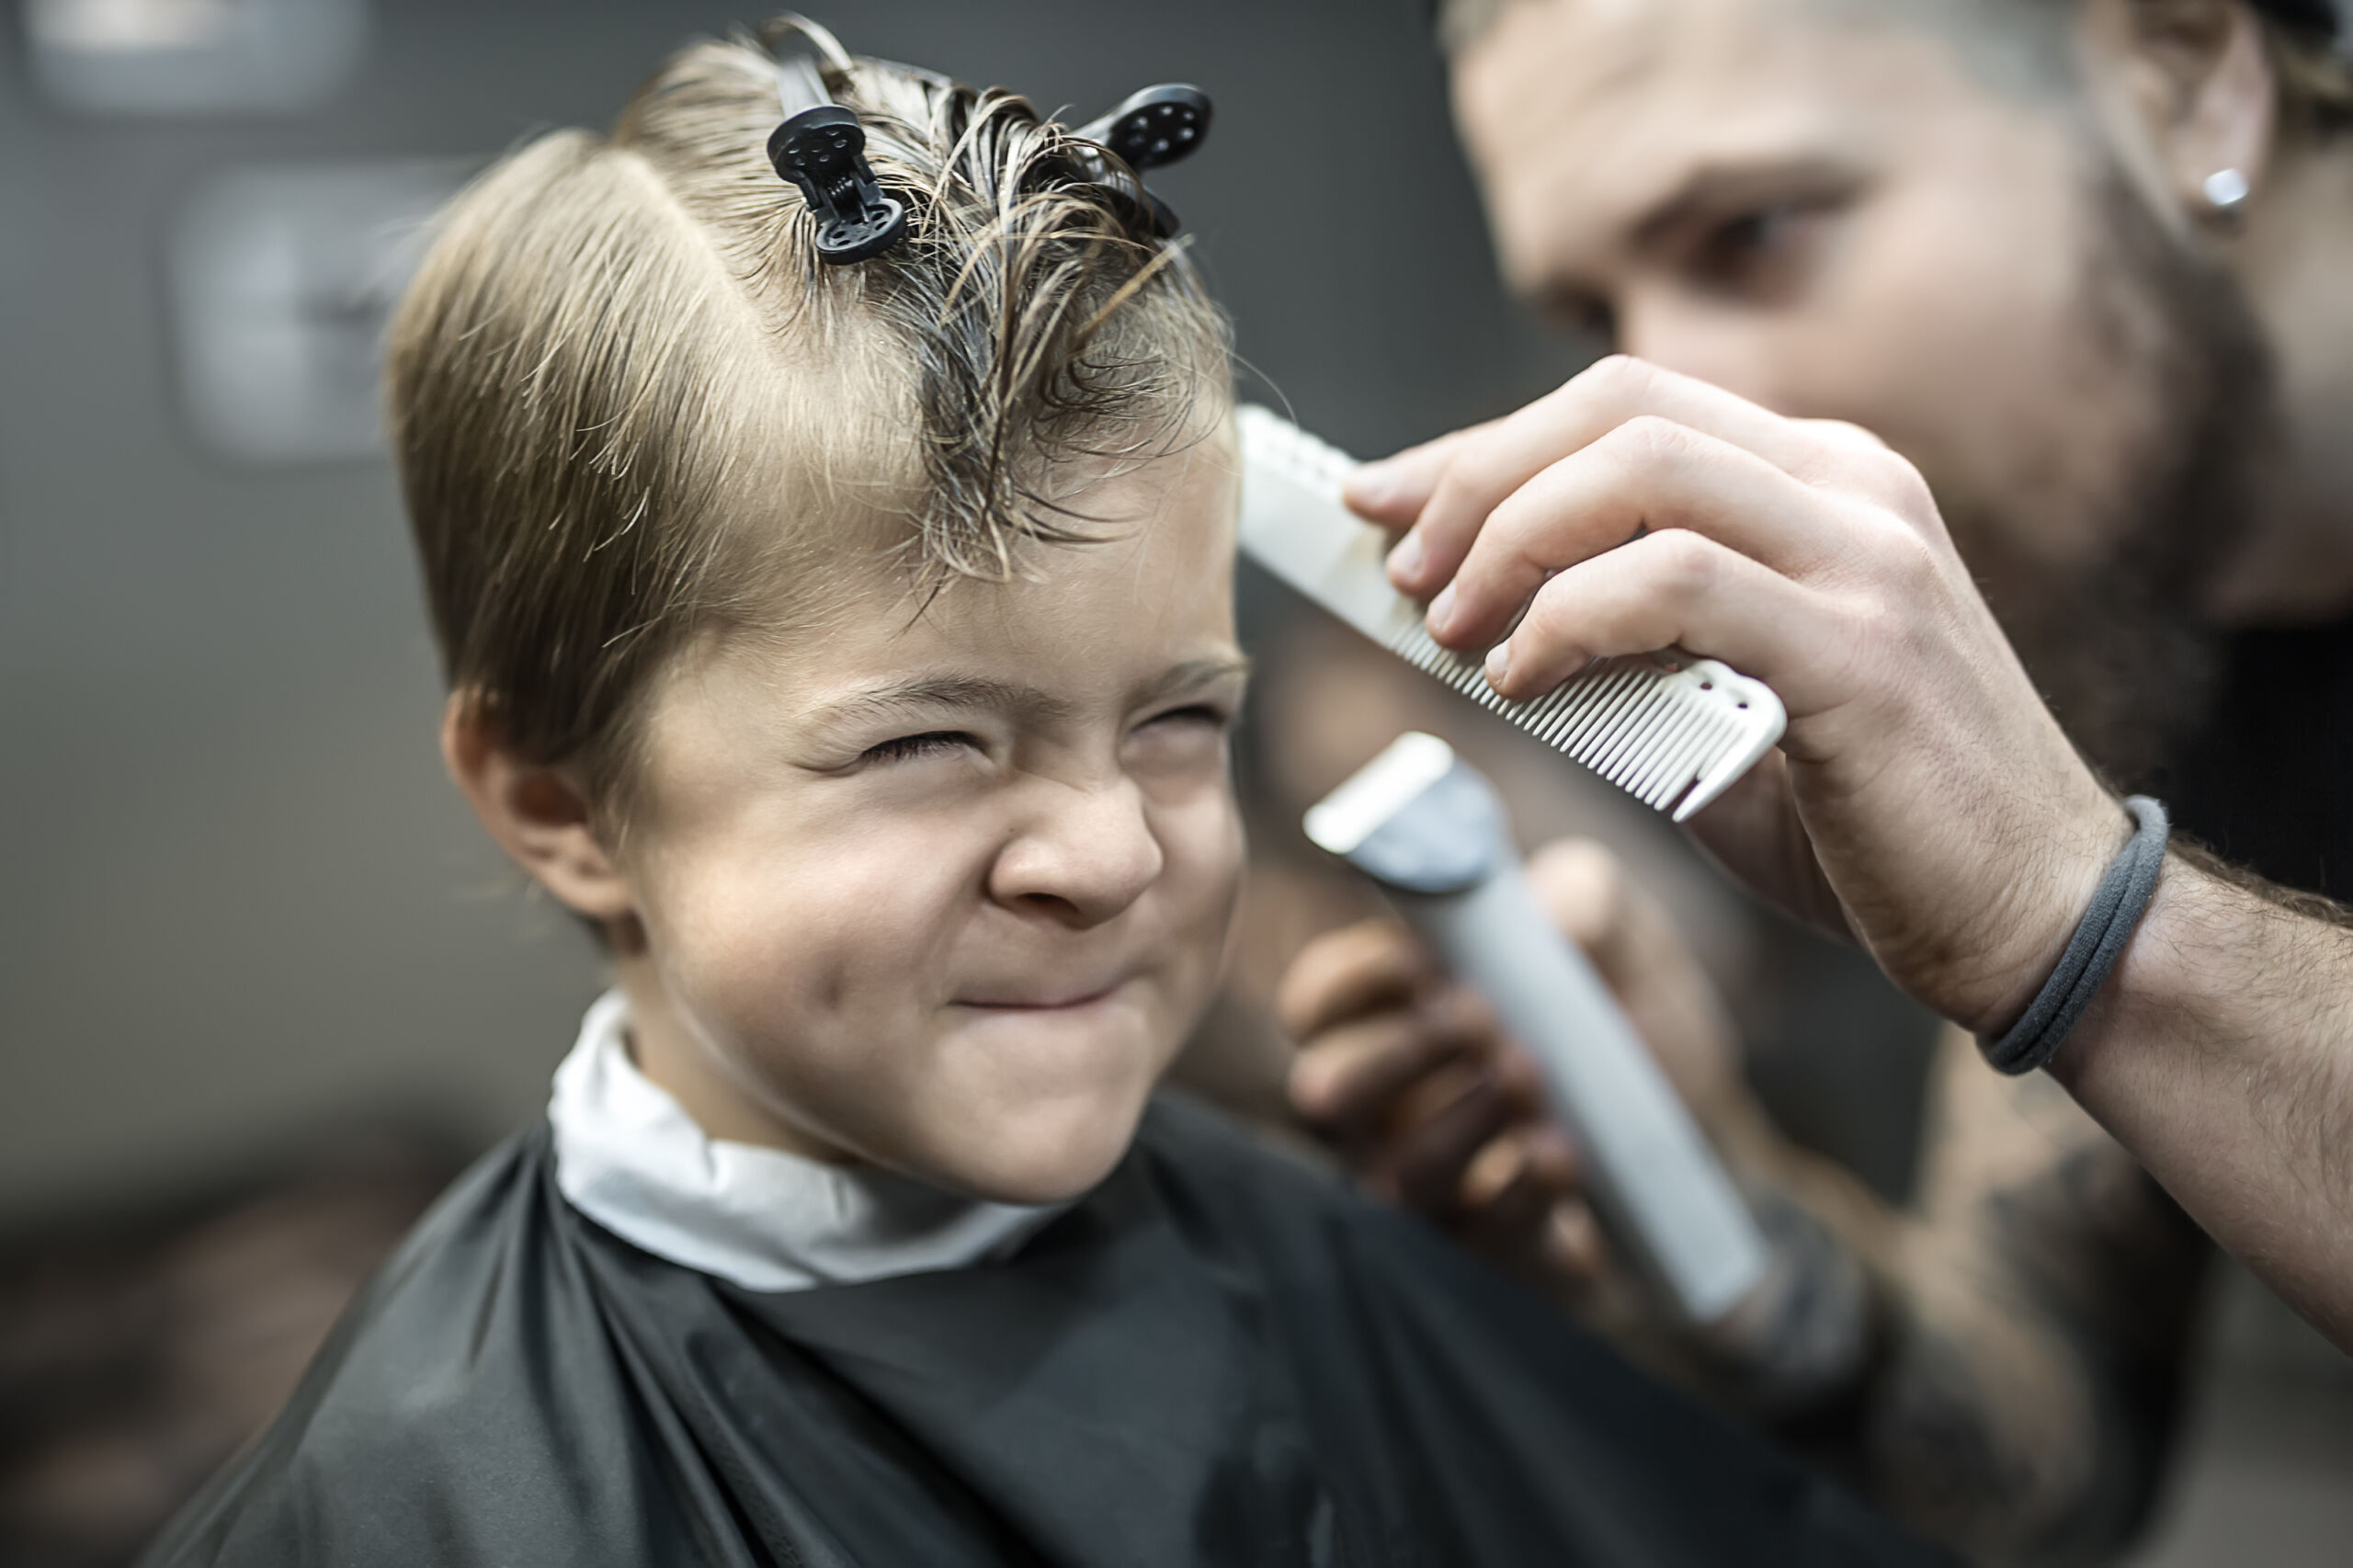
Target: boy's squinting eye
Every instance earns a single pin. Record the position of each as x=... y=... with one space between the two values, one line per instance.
x=1186 y=736
x=1194 y=713
x=930 y=743
x=1209 y=721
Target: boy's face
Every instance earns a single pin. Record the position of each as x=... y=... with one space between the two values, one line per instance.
x=945 y=890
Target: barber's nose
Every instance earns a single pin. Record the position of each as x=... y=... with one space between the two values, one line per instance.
x=1711 y=346
x=1084 y=856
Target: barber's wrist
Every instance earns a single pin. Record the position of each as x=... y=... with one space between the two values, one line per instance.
x=2046 y=904
x=2155 y=977
x=1804 y=1346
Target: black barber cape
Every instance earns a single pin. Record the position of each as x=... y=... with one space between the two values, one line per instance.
x=1218 y=1358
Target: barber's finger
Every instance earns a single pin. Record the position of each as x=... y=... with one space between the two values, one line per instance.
x=1441 y=1123
x=1643 y=958
x=1466 y=478
x=1582 y=885
x=1502 y=1201
x=1531 y=1161
x=1678 y=590
x=1344 y=973
x=1573 y=1248
x=1647 y=476
x=1536 y=1157
x=1353 y=1073
x=1619 y=924
x=1508 y=1192
x=1393 y=491
x=1520 y=1079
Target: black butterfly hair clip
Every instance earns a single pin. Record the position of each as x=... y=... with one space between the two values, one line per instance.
x=821 y=147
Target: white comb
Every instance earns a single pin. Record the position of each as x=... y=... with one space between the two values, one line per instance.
x=1672 y=729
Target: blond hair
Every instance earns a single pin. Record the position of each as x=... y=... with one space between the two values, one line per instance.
x=630 y=406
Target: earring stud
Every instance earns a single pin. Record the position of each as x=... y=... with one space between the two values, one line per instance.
x=2225 y=189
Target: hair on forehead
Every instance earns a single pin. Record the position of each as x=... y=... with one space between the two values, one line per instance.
x=630 y=405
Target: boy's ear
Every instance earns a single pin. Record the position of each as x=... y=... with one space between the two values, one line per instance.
x=537 y=815
x=2197 y=81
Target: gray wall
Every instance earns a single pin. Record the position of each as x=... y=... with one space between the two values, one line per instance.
x=238 y=903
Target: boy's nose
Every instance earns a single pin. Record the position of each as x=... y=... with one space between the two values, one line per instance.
x=1083 y=856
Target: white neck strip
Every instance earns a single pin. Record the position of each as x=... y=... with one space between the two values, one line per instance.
x=631 y=1158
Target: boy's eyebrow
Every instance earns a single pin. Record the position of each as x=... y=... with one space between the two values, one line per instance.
x=948 y=691
x=1191 y=674
x=983 y=692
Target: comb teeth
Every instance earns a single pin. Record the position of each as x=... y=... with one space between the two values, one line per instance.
x=1672 y=729
x=1307 y=460
x=1646 y=722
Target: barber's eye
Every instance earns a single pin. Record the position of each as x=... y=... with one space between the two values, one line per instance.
x=1758 y=253
x=931 y=743
x=1590 y=323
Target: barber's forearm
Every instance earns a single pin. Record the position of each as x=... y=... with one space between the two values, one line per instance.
x=1928 y=1364
x=2220 y=1055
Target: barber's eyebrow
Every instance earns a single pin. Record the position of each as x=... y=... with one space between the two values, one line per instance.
x=1711 y=188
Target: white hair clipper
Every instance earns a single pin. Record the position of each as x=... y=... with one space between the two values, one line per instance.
x=1431 y=831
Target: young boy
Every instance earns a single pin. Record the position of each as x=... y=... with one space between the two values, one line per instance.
x=851 y=646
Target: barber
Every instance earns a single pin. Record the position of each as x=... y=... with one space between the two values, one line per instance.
x=1924 y=799
x=2082 y=265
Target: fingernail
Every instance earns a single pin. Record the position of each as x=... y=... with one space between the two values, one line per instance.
x=1405 y=561
x=1499 y=663
x=1373 y=485
x=1441 y=611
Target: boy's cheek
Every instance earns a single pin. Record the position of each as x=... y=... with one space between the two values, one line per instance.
x=775 y=957
x=1207 y=859
x=1209 y=852
x=862 y=880
x=828 y=942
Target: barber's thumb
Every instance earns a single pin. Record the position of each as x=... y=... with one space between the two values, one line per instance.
x=1581 y=886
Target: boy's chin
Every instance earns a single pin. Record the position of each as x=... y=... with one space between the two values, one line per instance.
x=1051 y=1157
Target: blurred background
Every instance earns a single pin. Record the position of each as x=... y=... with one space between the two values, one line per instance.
x=263 y=985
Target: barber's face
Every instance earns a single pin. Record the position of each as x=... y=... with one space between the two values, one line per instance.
x=1840 y=216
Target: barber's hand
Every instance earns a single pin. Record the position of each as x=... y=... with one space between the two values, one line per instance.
x=1922 y=797
x=1410 y=1076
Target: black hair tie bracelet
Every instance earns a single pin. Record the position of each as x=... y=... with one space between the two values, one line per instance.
x=2117 y=907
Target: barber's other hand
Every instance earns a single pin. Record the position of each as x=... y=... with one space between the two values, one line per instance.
x=1923 y=797
x=1411 y=1077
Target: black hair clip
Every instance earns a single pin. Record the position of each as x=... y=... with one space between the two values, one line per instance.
x=821 y=147
x=1151 y=130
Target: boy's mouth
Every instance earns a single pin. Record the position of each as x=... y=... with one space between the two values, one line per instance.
x=1042 y=1000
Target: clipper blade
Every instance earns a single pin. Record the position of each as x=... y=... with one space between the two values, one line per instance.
x=1670 y=728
